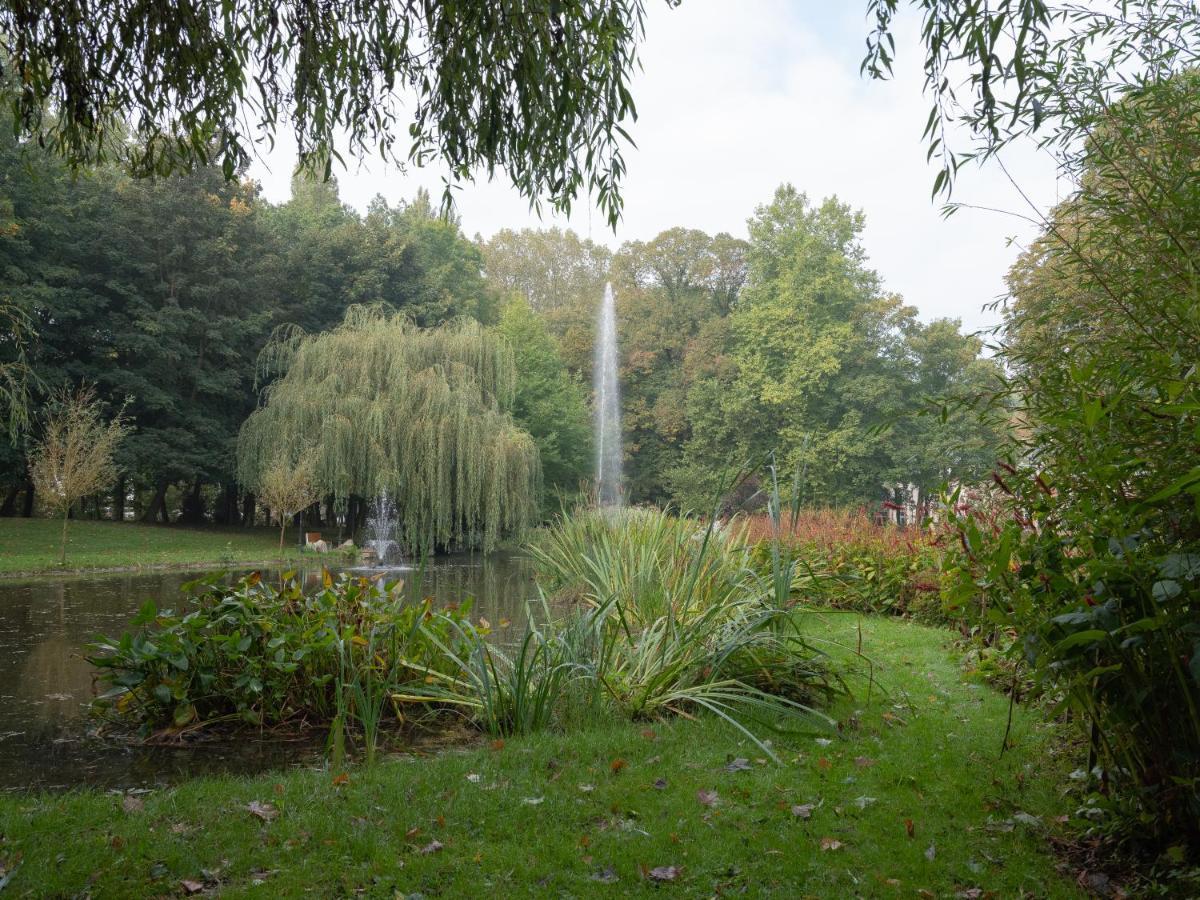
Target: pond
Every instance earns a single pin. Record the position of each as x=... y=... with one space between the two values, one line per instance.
x=47 y=736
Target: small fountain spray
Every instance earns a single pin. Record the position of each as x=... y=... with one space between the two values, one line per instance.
x=608 y=405
x=381 y=531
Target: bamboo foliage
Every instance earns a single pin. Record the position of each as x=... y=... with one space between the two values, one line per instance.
x=420 y=413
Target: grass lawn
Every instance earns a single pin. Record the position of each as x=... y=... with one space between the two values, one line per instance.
x=32 y=545
x=910 y=799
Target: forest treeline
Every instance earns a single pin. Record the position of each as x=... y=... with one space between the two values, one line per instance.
x=161 y=293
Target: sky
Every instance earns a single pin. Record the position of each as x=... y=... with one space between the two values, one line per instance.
x=739 y=96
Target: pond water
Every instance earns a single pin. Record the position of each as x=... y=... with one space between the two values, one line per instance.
x=47 y=736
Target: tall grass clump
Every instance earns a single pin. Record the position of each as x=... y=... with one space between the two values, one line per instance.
x=676 y=620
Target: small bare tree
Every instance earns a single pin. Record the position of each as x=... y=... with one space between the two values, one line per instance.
x=287 y=487
x=75 y=455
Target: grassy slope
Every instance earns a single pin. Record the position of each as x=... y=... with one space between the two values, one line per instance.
x=29 y=545
x=934 y=763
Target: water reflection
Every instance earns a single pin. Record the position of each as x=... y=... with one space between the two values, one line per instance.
x=46 y=685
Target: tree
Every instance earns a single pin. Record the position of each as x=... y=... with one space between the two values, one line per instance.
x=667 y=290
x=286 y=487
x=539 y=91
x=14 y=370
x=75 y=456
x=816 y=363
x=549 y=402
x=423 y=414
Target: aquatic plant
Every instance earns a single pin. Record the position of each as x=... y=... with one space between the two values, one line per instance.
x=269 y=655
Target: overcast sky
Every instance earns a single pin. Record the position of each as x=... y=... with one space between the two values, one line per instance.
x=739 y=97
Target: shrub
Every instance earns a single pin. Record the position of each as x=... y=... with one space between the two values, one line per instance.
x=1092 y=558
x=845 y=561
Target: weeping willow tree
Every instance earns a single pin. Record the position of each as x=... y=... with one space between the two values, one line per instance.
x=419 y=413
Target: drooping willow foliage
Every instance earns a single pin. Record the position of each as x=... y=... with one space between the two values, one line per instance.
x=419 y=413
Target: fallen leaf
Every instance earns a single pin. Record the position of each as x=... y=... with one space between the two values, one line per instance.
x=708 y=798
x=279 y=788
x=823 y=742
x=412 y=832
x=617 y=765
x=339 y=780
x=191 y=887
x=737 y=765
x=497 y=744
x=863 y=802
x=970 y=893
x=587 y=788
x=660 y=784
x=664 y=873
x=432 y=847
x=607 y=875
x=930 y=852
x=803 y=811
x=1026 y=819
x=117 y=842
x=909 y=827
x=264 y=811
x=823 y=763
x=649 y=734
x=863 y=761
x=473 y=777
x=828 y=843
x=132 y=804
x=533 y=801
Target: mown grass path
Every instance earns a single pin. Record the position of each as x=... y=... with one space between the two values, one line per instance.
x=911 y=798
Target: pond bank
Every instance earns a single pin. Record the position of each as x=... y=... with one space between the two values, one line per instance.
x=30 y=547
x=911 y=795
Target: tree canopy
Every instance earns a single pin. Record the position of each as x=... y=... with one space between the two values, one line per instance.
x=538 y=90
x=423 y=414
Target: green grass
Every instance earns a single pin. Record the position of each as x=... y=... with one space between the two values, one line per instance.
x=32 y=545
x=528 y=826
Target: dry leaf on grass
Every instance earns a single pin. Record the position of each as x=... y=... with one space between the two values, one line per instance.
x=264 y=811
x=663 y=873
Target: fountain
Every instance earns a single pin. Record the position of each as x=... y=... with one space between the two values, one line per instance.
x=608 y=405
x=381 y=531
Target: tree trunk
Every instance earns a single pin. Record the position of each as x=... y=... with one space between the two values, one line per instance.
x=193 y=505
x=27 y=511
x=226 y=512
x=157 y=503
x=248 y=510
x=62 y=558
x=118 y=501
x=10 y=500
